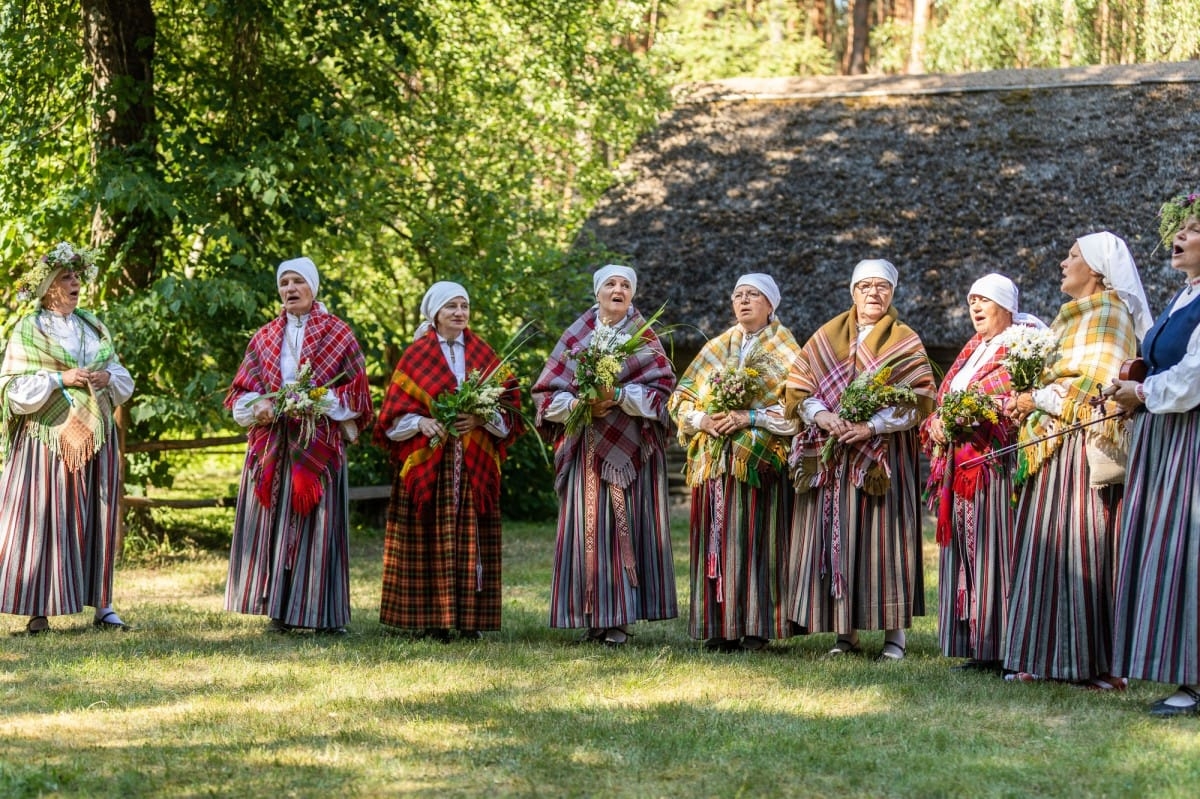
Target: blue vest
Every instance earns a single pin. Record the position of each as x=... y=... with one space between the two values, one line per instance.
x=1166 y=343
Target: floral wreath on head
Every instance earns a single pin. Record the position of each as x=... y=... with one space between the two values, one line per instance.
x=1174 y=213
x=64 y=256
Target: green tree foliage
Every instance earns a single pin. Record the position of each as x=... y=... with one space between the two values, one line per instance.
x=396 y=143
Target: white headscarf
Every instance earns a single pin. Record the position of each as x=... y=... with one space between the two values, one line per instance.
x=608 y=270
x=305 y=268
x=1110 y=256
x=764 y=283
x=875 y=267
x=434 y=300
x=1002 y=291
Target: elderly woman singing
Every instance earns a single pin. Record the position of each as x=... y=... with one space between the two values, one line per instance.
x=302 y=393
x=612 y=562
x=971 y=490
x=441 y=548
x=861 y=385
x=730 y=417
x=1059 y=623
x=60 y=490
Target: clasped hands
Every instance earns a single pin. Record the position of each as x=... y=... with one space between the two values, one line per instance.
x=844 y=431
x=83 y=378
x=724 y=423
x=463 y=424
x=602 y=405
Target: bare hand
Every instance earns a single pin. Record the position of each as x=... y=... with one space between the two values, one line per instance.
x=431 y=429
x=264 y=411
x=831 y=423
x=729 y=422
x=75 y=378
x=1019 y=406
x=466 y=422
x=601 y=407
x=1124 y=393
x=99 y=378
x=857 y=431
x=937 y=431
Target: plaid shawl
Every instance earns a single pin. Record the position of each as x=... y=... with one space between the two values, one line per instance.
x=753 y=449
x=1095 y=336
x=947 y=477
x=74 y=421
x=421 y=376
x=622 y=440
x=329 y=345
x=827 y=364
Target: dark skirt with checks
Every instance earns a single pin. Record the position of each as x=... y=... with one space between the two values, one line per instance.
x=441 y=568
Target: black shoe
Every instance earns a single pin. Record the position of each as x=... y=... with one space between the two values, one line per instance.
x=722 y=645
x=972 y=664
x=1162 y=710
x=277 y=626
x=439 y=634
x=332 y=631
x=105 y=623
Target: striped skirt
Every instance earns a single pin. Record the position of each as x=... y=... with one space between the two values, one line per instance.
x=441 y=567
x=1157 y=622
x=875 y=549
x=59 y=530
x=974 y=572
x=607 y=573
x=296 y=569
x=1060 y=607
x=739 y=548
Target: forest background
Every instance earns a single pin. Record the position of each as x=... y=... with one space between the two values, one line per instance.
x=196 y=143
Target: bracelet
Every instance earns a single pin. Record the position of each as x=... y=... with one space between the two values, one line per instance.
x=58 y=377
x=1140 y=391
x=752 y=415
x=617 y=394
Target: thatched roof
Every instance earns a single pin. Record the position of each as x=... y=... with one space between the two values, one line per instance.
x=949 y=177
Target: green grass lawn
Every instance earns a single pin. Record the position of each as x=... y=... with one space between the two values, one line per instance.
x=199 y=702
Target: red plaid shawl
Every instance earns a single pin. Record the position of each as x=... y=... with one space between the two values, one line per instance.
x=946 y=475
x=826 y=365
x=330 y=346
x=420 y=377
x=622 y=440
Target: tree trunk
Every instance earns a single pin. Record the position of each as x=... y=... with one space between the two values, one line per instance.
x=856 y=54
x=920 y=26
x=118 y=41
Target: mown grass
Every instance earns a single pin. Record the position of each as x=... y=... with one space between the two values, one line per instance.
x=199 y=702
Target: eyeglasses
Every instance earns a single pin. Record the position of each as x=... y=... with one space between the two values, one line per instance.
x=873 y=288
x=747 y=294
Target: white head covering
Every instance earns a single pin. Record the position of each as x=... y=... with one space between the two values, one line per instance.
x=875 y=267
x=608 y=270
x=305 y=268
x=434 y=300
x=1110 y=256
x=1002 y=291
x=998 y=289
x=764 y=283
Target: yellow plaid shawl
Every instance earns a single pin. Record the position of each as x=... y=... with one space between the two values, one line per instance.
x=1095 y=336
x=751 y=450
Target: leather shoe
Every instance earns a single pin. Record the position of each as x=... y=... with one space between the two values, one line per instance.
x=1162 y=710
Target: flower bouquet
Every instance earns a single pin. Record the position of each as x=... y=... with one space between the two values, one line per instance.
x=961 y=412
x=1025 y=354
x=303 y=401
x=738 y=387
x=866 y=394
x=481 y=392
x=597 y=366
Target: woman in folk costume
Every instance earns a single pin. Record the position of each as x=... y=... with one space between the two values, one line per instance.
x=612 y=561
x=289 y=559
x=856 y=538
x=441 y=548
x=60 y=489
x=973 y=502
x=1060 y=609
x=1157 y=619
x=730 y=417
